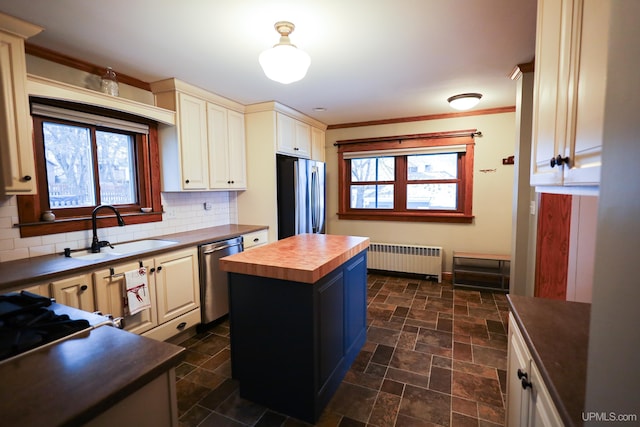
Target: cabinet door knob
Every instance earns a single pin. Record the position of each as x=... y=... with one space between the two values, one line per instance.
x=558 y=161
x=84 y=287
x=521 y=374
x=159 y=268
x=152 y=270
x=526 y=383
x=27 y=178
x=186 y=181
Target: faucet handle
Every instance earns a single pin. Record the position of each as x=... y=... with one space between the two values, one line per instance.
x=104 y=243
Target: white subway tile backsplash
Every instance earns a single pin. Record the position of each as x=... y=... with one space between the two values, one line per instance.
x=186 y=213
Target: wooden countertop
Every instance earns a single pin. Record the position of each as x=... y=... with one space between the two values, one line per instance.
x=557 y=335
x=19 y=273
x=302 y=258
x=73 y=381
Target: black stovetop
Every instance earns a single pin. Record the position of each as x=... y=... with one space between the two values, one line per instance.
x=27 y=322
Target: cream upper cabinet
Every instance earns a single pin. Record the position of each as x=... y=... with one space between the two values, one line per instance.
x=206 y=148
x=76 y=291
x=227 y=158
x=569 y=90
x=110 y=285
x=192 y=125
x=177 y=283
x=317 y=144
x=293 y=136
x=16 y=147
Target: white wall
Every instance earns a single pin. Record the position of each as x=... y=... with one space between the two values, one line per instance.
x=490 y=231
x=183 y=212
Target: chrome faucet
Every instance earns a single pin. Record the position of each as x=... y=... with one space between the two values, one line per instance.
x=95 y=243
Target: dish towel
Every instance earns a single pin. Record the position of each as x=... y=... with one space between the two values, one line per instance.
x=137 y=289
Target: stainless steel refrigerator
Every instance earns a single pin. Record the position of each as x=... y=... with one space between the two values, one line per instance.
x=301 y=196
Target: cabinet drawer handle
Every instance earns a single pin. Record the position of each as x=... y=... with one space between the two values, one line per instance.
x=256 y=240
x=84 y=287
x=182 y=325
x=526 y=383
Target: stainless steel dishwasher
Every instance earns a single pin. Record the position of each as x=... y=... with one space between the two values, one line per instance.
x=214 y=292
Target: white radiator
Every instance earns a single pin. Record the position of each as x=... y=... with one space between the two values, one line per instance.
x=425 y=260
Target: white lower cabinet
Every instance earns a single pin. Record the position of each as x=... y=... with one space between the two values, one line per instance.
x=75 y=291
x=255 y=239
x=529 y=403
x=174 y=290
x=110 y=295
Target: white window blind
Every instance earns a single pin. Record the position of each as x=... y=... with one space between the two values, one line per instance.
x=88 y=118
x=442 y=149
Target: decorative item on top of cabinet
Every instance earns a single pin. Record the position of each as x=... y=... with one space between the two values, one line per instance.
x=569 y=91
x=206 y=148
x=76 y=291
x=16 y=151
x=293 y=136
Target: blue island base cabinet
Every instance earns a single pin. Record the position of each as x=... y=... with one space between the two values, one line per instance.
x=291 y=342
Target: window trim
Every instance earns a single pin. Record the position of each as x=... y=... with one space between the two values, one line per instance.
x=409 y=143
x=31 y=207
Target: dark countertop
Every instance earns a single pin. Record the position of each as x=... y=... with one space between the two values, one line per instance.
x=557 y=335
x=302 y=258
x=23 y=272
x=73 y=381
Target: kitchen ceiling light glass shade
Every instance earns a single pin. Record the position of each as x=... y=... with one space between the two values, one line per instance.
x=284 y=62
x=464 y=101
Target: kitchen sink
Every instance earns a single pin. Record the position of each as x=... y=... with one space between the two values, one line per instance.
x=120 y=249
x=141 y=245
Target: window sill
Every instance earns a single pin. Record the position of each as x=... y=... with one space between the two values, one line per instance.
x=456 y=218
x=65 y=225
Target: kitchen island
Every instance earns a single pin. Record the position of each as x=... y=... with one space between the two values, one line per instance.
x=297 y=311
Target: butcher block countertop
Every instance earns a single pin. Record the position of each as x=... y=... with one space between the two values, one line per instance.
x=23 y=272
x=73 y=381
x=302 y=258
x=557 y=335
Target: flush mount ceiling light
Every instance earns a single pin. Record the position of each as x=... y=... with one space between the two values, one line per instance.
x=464 y=101
x=284 y=62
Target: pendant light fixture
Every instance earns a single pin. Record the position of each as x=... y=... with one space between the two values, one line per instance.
x=464 y=101
x=284 y=62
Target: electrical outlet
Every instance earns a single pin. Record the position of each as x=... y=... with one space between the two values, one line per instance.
x=169 y=213
x=532 y=207
x=207 y=206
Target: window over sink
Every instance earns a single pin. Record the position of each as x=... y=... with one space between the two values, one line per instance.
x=85 y=157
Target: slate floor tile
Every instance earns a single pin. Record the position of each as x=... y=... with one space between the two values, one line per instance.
x=434 y=357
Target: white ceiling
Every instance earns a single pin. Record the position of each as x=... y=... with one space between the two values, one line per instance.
x=370 y=59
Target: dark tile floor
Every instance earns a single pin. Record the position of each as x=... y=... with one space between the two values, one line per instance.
x=434 y=356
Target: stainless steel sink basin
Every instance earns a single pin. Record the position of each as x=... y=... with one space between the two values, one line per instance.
x=120 y=249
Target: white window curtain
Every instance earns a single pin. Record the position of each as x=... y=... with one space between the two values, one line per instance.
x=88 y=118
x=441 y=149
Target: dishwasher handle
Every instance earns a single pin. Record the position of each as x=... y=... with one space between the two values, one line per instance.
x=220 y=248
